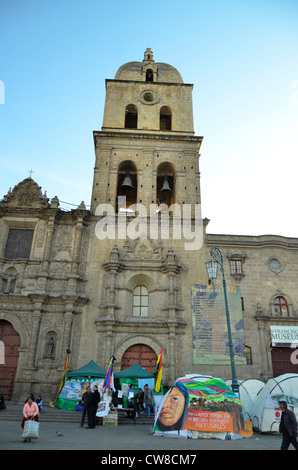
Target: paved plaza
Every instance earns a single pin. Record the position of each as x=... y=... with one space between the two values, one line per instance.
x=124 y=437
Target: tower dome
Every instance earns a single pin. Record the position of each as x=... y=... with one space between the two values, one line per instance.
x=148 y=70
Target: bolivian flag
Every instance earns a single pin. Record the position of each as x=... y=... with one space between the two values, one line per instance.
x=158 y=372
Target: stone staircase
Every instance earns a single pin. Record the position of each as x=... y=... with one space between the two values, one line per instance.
x=14 y=412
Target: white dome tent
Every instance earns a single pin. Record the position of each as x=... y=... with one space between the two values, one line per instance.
x=248 y=391
x=265 y=415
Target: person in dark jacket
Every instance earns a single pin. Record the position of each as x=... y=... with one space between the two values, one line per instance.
x=86 y=399
x=288 y=427
x=91 y=414
x=132 y=409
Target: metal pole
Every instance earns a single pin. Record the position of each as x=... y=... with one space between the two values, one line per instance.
x=217 y=256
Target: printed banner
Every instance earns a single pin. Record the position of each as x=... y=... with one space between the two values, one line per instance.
x=74 y=390
x=210 y=333
x=208 y=406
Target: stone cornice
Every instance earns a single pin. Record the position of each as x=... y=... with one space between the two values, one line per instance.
x=141 y=135
x=251 y=241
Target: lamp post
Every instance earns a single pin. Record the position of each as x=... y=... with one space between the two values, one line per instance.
x=211 y=267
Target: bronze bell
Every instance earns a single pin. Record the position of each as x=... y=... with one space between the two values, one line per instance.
x=166 y=187
x=127 y=184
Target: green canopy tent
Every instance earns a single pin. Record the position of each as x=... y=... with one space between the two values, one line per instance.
x=88 y=370
x=134 y=372
x=76 y=383
x=135 y=375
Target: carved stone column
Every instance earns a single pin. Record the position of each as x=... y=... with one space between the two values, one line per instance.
x=77 y=246
x=172 y=362
x=68 y=320
x=34 y=334
x=50 y=231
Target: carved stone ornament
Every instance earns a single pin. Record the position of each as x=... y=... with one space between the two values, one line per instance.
x=26 y=194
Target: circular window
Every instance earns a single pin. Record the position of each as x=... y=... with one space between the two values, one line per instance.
x=149 y=97
x=274 y=265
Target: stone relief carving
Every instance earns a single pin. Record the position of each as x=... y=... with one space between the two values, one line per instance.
x=145 y=249
x=26 y=193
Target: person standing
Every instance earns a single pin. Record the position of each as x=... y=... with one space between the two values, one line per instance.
x=39 y=402
x=148 y=399
x=288 y=427
x=140 y=400
x=91 y=414
x=86 y=398
x=30 y=411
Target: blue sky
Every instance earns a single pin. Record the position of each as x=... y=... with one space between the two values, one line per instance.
x=240 y=55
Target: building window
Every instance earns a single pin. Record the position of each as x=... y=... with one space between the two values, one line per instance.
x=165 y=118
x=18 y=244
x=165 y=185
x=236 y=266
x=281 y=307
x=131 y=117
x=248 y=355
x=127 y=186
x=149 y=75
x=140 y=301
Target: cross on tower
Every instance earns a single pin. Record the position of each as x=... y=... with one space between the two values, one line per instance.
x=31 y=171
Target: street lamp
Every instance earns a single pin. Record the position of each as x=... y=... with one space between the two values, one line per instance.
x=211 y=267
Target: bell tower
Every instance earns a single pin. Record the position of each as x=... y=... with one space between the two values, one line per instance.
x=146 y=149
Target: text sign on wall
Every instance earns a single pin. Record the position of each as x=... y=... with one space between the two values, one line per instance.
x=210 y=334
x=284 y=334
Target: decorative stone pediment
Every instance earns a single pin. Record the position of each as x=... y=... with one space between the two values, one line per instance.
x=142 y=249
x=26 y=194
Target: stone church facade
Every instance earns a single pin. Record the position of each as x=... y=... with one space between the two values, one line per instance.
x=64 y=285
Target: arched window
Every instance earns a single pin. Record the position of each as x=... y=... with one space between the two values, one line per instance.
x=165 y=184
x=127 y=186
x=140 y=302
x=281 y=307
x=165 y=122
x=149 y=75
x=131 y=117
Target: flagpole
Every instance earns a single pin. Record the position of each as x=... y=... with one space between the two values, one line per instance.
x=51 y=403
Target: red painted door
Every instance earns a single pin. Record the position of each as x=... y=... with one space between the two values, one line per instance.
x=9 y=357
x=281 y=361
x=142 y=354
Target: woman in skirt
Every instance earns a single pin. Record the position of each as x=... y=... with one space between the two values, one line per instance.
x=30 y=411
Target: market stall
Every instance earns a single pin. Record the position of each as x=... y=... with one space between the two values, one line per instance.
x=135 y=375
x=76 y=383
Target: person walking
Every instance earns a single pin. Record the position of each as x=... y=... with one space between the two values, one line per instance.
x=30 y=411
x=91 y=413
x=86 y=398
x=148 y=399
x=287 y=427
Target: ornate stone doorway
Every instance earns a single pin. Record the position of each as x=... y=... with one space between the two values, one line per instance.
x=142 y=354
x=9 y=357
